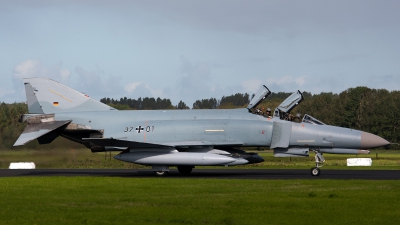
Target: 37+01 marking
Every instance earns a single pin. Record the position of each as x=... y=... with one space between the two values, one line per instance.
x=139 y=128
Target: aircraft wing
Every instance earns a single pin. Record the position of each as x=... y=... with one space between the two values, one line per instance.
x=111 y=142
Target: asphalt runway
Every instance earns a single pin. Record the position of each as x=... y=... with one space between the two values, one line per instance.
x=212 y=173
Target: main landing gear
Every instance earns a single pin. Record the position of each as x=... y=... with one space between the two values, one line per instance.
x=319 y=162
x=163 y=170
x=185 y=170
x=161 y=173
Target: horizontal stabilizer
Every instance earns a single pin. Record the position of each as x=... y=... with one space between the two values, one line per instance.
x=37 y=130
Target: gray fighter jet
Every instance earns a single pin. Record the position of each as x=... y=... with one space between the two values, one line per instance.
x=183 y=138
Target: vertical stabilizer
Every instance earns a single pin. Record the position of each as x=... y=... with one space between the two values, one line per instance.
x=47 y=96
x=33 y=103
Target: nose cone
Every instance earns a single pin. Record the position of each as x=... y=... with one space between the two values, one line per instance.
x=372 y=141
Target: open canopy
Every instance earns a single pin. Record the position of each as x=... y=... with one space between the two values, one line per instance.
x=290 y=102
x=283 y=110
x=257 y=99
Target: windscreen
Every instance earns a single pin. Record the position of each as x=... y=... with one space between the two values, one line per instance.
x=309 y=119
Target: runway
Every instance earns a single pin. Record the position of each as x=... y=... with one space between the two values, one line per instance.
x=271 y=174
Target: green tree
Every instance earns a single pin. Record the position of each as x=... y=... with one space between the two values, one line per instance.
x=236 y=100
x=182 y=105
x=211 y=103
x=139 y=104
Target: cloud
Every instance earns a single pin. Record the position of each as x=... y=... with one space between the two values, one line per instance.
x=285 y=39
x=389 y=82
x=91 y=83
x=317 y=84
x=34 y=68
x=277 y=17
x=195 y=79
x=29 y=68
x=199 y=70
x=287 y=80
x=65 y=74
x=250 y=86
x=131 y=87
x=140 y=89
x=5 y=91
x=282 y=84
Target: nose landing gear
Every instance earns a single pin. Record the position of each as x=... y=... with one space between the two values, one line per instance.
x=319 y=162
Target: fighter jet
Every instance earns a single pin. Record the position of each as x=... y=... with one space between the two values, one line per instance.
x=183 y=138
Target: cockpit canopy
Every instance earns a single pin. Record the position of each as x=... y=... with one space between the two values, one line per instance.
x=283 y=110
x=290 y=102
x=257 y=99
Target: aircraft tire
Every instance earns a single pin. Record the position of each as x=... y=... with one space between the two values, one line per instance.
x=315 y=171
x=185 y=170
x=161 y=173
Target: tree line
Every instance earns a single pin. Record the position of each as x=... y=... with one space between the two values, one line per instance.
x=372 y=110
x=232 y=101
x=139 y=104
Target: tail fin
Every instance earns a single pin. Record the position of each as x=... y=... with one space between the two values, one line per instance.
x=46 y=96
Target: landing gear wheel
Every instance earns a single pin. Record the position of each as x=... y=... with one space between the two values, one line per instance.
x=161 y=173
x=315 y=171
x=185 y=170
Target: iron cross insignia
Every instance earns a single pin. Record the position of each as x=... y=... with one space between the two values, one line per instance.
x=139 y=128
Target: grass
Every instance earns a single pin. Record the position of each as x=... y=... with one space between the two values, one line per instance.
x=84 y=158
x=114 y=200
x=63 y=158
x=381 y=159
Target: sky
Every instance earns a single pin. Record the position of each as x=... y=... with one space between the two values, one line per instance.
x=190 y=50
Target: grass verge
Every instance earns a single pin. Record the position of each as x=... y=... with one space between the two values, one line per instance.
x=114 y=200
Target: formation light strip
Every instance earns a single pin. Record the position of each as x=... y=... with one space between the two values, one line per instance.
x=62 y=96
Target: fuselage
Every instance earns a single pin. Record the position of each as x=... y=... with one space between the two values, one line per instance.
x=219 y=126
